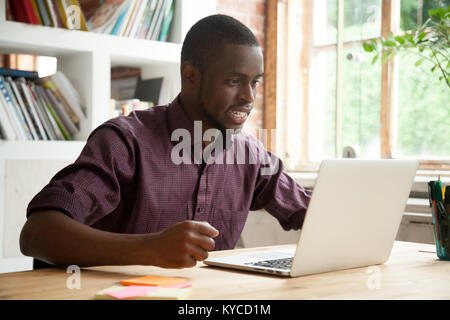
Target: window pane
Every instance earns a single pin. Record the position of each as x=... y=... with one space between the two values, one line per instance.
x=322 y=105
x=361 y=102
x=424 y=111
x=325 y=22
x=362 y=19
x=414 y=13
x=423 y=128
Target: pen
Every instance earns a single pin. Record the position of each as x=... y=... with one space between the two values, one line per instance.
x=431 y=186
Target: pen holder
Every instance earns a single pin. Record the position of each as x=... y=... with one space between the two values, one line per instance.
x=441 y=225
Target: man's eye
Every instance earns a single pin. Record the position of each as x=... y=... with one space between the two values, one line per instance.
x=255 y=83
x=234 y=82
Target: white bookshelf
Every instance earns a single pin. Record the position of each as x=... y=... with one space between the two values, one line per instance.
x=86 y=58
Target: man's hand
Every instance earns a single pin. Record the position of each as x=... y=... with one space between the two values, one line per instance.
x=183 y=244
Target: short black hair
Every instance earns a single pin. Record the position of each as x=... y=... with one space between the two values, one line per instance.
x=208 y=35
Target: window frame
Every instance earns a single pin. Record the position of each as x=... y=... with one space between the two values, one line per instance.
x=273 y=93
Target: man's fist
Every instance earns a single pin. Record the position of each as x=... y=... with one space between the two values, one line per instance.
x=183 y=244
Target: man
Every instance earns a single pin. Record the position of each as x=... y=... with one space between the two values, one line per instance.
x=128 y=200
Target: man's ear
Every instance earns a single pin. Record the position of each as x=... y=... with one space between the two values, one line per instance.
x=190 y=75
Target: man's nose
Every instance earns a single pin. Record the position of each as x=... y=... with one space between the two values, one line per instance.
x=247 y=93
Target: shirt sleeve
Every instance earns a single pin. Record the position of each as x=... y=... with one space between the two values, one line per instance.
x=280 y=195
x=90 y=188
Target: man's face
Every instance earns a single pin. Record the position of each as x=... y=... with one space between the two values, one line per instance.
x=228 y=86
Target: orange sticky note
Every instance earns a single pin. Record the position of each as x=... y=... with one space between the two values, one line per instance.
x=153 y=281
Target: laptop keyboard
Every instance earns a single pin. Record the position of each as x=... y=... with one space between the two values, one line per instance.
x=284 y=263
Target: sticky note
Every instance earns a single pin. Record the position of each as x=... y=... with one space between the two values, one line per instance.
x=131 y=292
x=153 y=281
x=152 y=293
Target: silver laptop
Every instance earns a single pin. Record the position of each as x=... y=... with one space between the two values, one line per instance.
x=352 y=220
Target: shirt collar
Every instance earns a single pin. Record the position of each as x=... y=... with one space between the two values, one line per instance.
x=178 y=118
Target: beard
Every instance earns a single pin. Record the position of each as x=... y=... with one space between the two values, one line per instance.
x=204 y=111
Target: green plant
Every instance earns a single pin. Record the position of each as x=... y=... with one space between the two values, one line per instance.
x=431 y=42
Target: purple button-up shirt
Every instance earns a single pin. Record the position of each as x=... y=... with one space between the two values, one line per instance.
x=125 y=180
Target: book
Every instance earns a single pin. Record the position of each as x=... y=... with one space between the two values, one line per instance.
x=65 y=133
x=31 y=108
x=127 y=17
x=11 y=111
x=59 y=110
x=18 y=11
x=23 y=108
x=167 y=21
x=43 y=13
x=36 y=12
x=71 y=90
x=125 y=72
x=40 y=113
x=9 y=15
x=6 y=125
x=116 y=28
x=89 y=7
x=6 y=128
x=69 y=93
x=139 y=19
x=18 y=73
x=159 y=21
x=132 y=18
x=23 y=122
x=71 y=15
x=49 y=121
x=48 y=83
x=56 y=19
x=29 y=12
x=106 y=14
x=147 y=18
x=154 y=21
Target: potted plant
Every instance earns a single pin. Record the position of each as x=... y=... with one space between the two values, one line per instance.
x=430 y=42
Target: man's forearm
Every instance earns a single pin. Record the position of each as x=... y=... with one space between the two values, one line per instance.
x=57 y=239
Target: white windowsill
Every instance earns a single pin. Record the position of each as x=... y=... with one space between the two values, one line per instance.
x=414 y=206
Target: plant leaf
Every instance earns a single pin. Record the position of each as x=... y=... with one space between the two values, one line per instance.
x=421 y=36
x=419 y=62
x=400 y=39
x=367 y=47
x=390 y=43
x=375 y=58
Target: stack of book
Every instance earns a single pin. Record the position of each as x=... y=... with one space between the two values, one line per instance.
x=33 y=108
x=53 y=13
x=140 y=19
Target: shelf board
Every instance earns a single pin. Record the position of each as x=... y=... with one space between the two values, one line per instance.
x=40 y=150
x=43 y=40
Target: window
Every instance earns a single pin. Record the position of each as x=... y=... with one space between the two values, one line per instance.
x=330 y=95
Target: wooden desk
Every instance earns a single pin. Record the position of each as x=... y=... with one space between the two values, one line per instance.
x=409 y=274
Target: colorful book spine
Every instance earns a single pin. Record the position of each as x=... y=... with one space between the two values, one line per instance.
x=23 y=122
x=22 y=106
x=36 y=12
x=46 y=21
x=61 y=126
x=167 y=21
x=12 y=113
x=18 y=73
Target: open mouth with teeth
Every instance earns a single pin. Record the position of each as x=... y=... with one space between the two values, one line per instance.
x=237 y=117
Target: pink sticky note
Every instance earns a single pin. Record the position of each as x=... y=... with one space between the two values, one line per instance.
x=131 y=292
x=182 y=285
